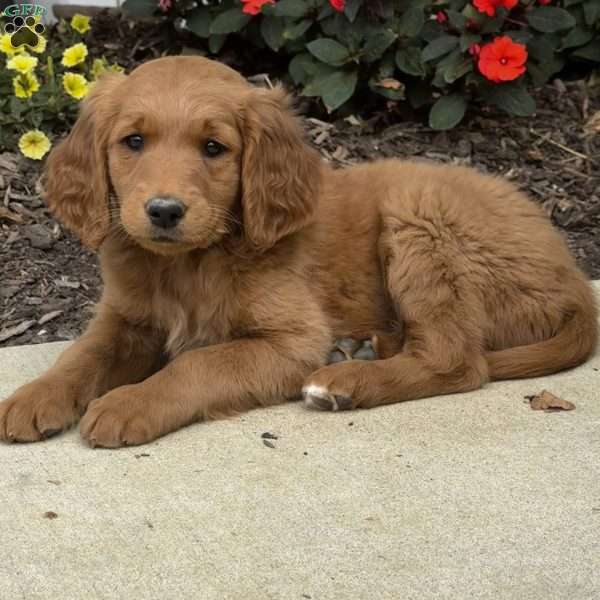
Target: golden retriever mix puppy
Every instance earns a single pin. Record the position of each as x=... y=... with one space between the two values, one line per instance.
x=239 y=269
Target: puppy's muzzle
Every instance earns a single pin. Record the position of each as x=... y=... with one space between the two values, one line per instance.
x=165 y=212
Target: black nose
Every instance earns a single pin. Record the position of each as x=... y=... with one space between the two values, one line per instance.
x=165 y=212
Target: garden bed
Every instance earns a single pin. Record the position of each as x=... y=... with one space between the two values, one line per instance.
x=49 y=283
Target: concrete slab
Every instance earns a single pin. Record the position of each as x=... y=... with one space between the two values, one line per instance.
x=467 y=496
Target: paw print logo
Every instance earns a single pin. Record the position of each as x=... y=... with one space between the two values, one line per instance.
x=24 y=32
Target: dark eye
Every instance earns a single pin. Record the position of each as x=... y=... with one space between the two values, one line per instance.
x=212 y=148
x=134 y=142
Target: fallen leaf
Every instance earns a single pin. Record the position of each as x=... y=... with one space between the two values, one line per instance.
x=8 y=162
x=6 y=334
x=49 y=316
x=592 y=126
x=549 y=402
x=50 y=515
x=321 y=137
x=67 y=284
x=340 y=153
x=9 y=215
x=390 y=84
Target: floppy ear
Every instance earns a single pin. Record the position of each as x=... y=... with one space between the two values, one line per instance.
x=280 y=171
x=76 y=178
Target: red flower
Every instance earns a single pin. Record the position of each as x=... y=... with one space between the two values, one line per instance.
x=489 y=6
x=253 y=7
x=502 y=60
x=474 y=49
x=338 y=5
x=441 y=17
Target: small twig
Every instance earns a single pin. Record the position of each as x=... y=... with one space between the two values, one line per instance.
x=547 y=138
x=573 y=171
x=515 y=22
x=135 y=48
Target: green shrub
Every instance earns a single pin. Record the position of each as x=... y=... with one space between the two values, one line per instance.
x=443 y=53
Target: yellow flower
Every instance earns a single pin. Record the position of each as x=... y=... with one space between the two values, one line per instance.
x=41 y=45
x=80 y=23
x=34 y=144
x=74 y=55
x=116 y=68
x=7 y=48
x=22 y=63
x=100 y=65
x=25 y=85
x=75 y=85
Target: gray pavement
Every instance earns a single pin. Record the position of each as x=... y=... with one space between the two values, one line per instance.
x=467 y=496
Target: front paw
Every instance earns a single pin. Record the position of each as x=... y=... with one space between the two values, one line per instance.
x=120 y=418
x=37 y=411
x=338 y=386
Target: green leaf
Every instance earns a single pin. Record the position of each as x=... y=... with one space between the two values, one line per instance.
x=591 y=11
x=352 y=8
x=519 y=36
x=468 y=39
x=140 y=8
x=334 y=88
x=549 y=19
x=377 y=44
x=589 y=52
x=439 y=47
x=339 y=88
x=542 y=48
x=540 y=73
x=492 y=24
x=297 y=30
x=572 y=2
x=457 y=70
x=271 y=29
x=329 y=51
x=301 y=67
x=409 y=61
x=216 y=42
x=512 y=98
x=198 y=21
x=351 y=35
x=411 y=22
x=431 y=31
x=447 y=112
x=230 y=21
x=456 y=19
x=578 y=36
x=290 y=8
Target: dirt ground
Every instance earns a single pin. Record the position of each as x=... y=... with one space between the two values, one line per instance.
x=49 y=283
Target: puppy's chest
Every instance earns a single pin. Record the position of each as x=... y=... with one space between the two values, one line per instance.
x=194 y=309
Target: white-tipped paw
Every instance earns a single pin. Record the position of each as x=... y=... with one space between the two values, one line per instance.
x=319 y=398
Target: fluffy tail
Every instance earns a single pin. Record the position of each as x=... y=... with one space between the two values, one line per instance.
x=572 y=344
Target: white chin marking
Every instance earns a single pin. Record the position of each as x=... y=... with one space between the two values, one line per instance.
x=319 y=398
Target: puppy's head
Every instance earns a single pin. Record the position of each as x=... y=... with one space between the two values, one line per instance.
x=187 y=151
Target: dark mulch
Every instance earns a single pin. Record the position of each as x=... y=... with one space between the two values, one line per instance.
x=48 y=283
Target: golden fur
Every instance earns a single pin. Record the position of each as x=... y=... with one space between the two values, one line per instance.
x=461 y=277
